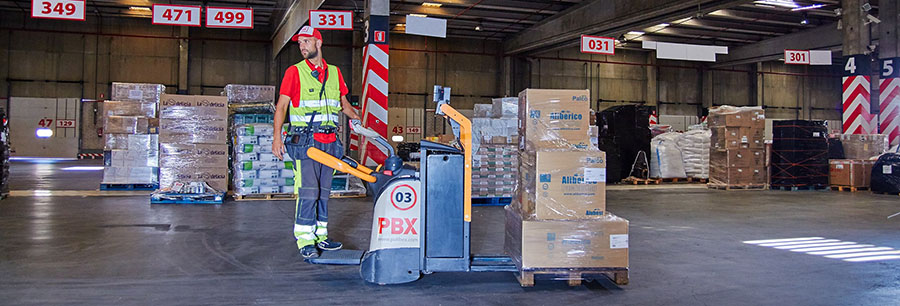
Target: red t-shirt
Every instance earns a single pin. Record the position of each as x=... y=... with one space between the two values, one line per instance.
x=290 y=84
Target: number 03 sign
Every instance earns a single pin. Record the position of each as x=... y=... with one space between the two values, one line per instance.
x=331 y=20
x=58 y=9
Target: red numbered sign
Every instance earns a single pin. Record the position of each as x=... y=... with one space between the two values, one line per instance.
x=397 y=130
x=331 y=20
x=65 y=123
x=46 y=122
x=413 y=130
x=799 y=57
x=222 y=17
x=597 y=44
x=58 y=9
x=182 y=15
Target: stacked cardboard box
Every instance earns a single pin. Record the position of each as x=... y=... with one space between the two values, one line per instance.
x=192 y=137
x=558 y=218
x=799 y=154
x=131 y=145
x=850 y=172
x=495 y=141
x=253 y=144
x=737 y=155
x=864 y=146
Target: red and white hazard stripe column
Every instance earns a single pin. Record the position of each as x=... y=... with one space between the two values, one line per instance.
x=857 y=114
x=653 y=118
x=889 y=100
x=375 y=88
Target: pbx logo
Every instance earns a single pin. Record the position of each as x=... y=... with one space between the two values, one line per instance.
x=398 y=226
x=583 y=98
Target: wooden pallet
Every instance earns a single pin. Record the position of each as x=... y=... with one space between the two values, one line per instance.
x=491 y=201
x=129 y=186
x=640 y=181
x=847 y=188
x=887 y=193
x=265 y=197
x=685 y=180
x=186 y=198
x=348 y=195
x=574 y=276
x=801 y=188
x=736 y=187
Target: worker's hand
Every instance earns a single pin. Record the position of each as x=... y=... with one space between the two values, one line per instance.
x=278 y=148
x=355 y=125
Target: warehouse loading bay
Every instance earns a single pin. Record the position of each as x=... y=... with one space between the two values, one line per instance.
x=478 y=152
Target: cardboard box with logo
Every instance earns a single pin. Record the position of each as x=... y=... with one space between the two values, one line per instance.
x=216 y=177
x=193 y=134
x=563 y=184
x=582 y=243
x=196 y=155
x=554 y=118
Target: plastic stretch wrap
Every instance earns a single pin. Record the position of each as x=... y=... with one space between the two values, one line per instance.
x=495 y=170
x=240 y=119
x=493 y=130
x=260 y=182
x=146 y=93
x=263 y=174
x=864 y=146
x=505 y=107
x=128 y=124
x=624 y=134
x=585 y=243
x=262 y=189
x=177 y=155
x=886 y=174
x=737 y=116
x=562 y=184
x=694 y=146
x=130 y=175
x=799 y=153
x=666 y=160
x=483 y=110
x=550 y=118
x=217 y=177
x=145 y=142
x=659 y=129
x=242 y=94
x=257 y=165
x=212 y=131
x=129 y=108
x=252 y=148
x=342 y=185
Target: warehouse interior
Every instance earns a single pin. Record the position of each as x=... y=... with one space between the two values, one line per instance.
x=799 y=230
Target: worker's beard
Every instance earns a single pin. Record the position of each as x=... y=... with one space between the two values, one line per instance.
x=312 y=54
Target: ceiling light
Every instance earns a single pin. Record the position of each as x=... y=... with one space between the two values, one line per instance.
x=478 y=28
x=663 y=25
x=431 y=4
x=43 y=133
x=139 y=8
x=402 y=25
x=809 y=7
x=634 y=33
x=397 y=138
x=805 y=19
x=83 y=168
x=682 y=20
x=781 y=3
x=419 y=15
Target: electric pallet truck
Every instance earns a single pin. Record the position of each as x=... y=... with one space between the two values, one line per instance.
x=422 y=216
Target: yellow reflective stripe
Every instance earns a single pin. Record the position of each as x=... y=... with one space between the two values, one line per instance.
x=320 y=103
x=318 y=118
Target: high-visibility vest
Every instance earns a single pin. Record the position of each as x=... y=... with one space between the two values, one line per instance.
x=327 y=106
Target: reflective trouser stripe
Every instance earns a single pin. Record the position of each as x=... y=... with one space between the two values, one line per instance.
x=321 y=230
x=304 y=120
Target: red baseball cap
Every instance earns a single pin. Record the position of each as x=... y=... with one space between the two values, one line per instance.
x=307 y=31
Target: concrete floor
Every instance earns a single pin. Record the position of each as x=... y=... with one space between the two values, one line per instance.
x=686 y=249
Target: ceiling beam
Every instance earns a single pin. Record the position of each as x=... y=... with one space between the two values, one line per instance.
x=609 y=18
x=823 y=37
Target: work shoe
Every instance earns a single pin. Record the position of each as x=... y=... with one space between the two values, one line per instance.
x=329 y=245
x=309 y=252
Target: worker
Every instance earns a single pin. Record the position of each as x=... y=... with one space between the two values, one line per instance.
x=313 y=94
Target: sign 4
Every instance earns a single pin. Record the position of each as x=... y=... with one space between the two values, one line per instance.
x=798 y=57
x=859 y=64
x=598 y=44
x=58 y=9
x=331 y=20
x=181 y=15
x=223 y=17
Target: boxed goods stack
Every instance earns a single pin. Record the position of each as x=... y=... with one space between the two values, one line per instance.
x=799 y=154
x=855 y=173
x=558 y=218
x=192 y=141
x=624 y=133
x=495 y=140
x=694 y=146
x=131 y=145
x=864 y=146
x=256 y=169
x=737 y=156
